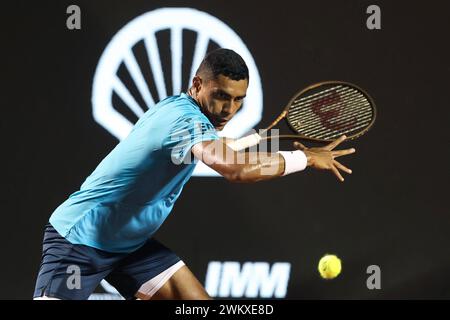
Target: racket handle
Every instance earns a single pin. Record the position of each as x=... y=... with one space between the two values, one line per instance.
x=245 y=142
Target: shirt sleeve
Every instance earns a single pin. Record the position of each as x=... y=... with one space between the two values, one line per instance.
x=187 y=131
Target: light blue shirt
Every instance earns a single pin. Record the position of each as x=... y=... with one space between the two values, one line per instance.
x=132 y=191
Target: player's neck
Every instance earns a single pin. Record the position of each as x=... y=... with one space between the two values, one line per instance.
x=191 y=93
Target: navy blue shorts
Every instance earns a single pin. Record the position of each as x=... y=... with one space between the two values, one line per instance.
x=62 y=261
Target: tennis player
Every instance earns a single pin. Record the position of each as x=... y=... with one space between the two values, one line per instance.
x=105 y=229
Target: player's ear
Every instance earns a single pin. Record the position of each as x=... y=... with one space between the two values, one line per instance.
x=197 y=83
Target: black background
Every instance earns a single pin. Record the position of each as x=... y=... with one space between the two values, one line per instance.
x=391 y=212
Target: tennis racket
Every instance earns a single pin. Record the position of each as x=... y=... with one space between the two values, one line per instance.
x=321 y=112
x=325 y=111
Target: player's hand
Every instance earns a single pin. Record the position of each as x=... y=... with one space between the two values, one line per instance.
x=323 y=158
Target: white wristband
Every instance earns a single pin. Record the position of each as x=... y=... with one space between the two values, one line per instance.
x=245 y=142
x=294 y=161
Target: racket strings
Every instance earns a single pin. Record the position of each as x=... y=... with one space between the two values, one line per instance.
x=324 y=103
x=342 y=110
x=314 y=124
x=330 y=113
x=344 y=126
x=364 y=107
x=322 y=95
x=326 y=133
x=335 y=135
x=342 y=107
x=329 y=108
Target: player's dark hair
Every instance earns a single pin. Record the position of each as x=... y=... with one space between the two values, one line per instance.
x=223 y=62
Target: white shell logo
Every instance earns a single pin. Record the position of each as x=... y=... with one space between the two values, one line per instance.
x=142 y=30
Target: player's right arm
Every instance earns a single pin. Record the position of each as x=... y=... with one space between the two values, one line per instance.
x=257 y=166
x=239 y=166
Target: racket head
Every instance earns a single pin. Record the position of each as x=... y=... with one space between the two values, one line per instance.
x=327 y=110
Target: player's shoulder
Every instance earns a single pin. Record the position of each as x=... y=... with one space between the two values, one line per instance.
x=180 y=107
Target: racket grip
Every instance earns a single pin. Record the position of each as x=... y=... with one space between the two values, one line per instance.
x=245 y=142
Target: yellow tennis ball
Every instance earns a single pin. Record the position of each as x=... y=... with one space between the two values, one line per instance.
x=329 y=266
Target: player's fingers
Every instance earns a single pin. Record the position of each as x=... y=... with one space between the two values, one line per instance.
x=337 y=173
x=339 y=153
x=336 y=142
x=300 y=146
x=341 y=167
